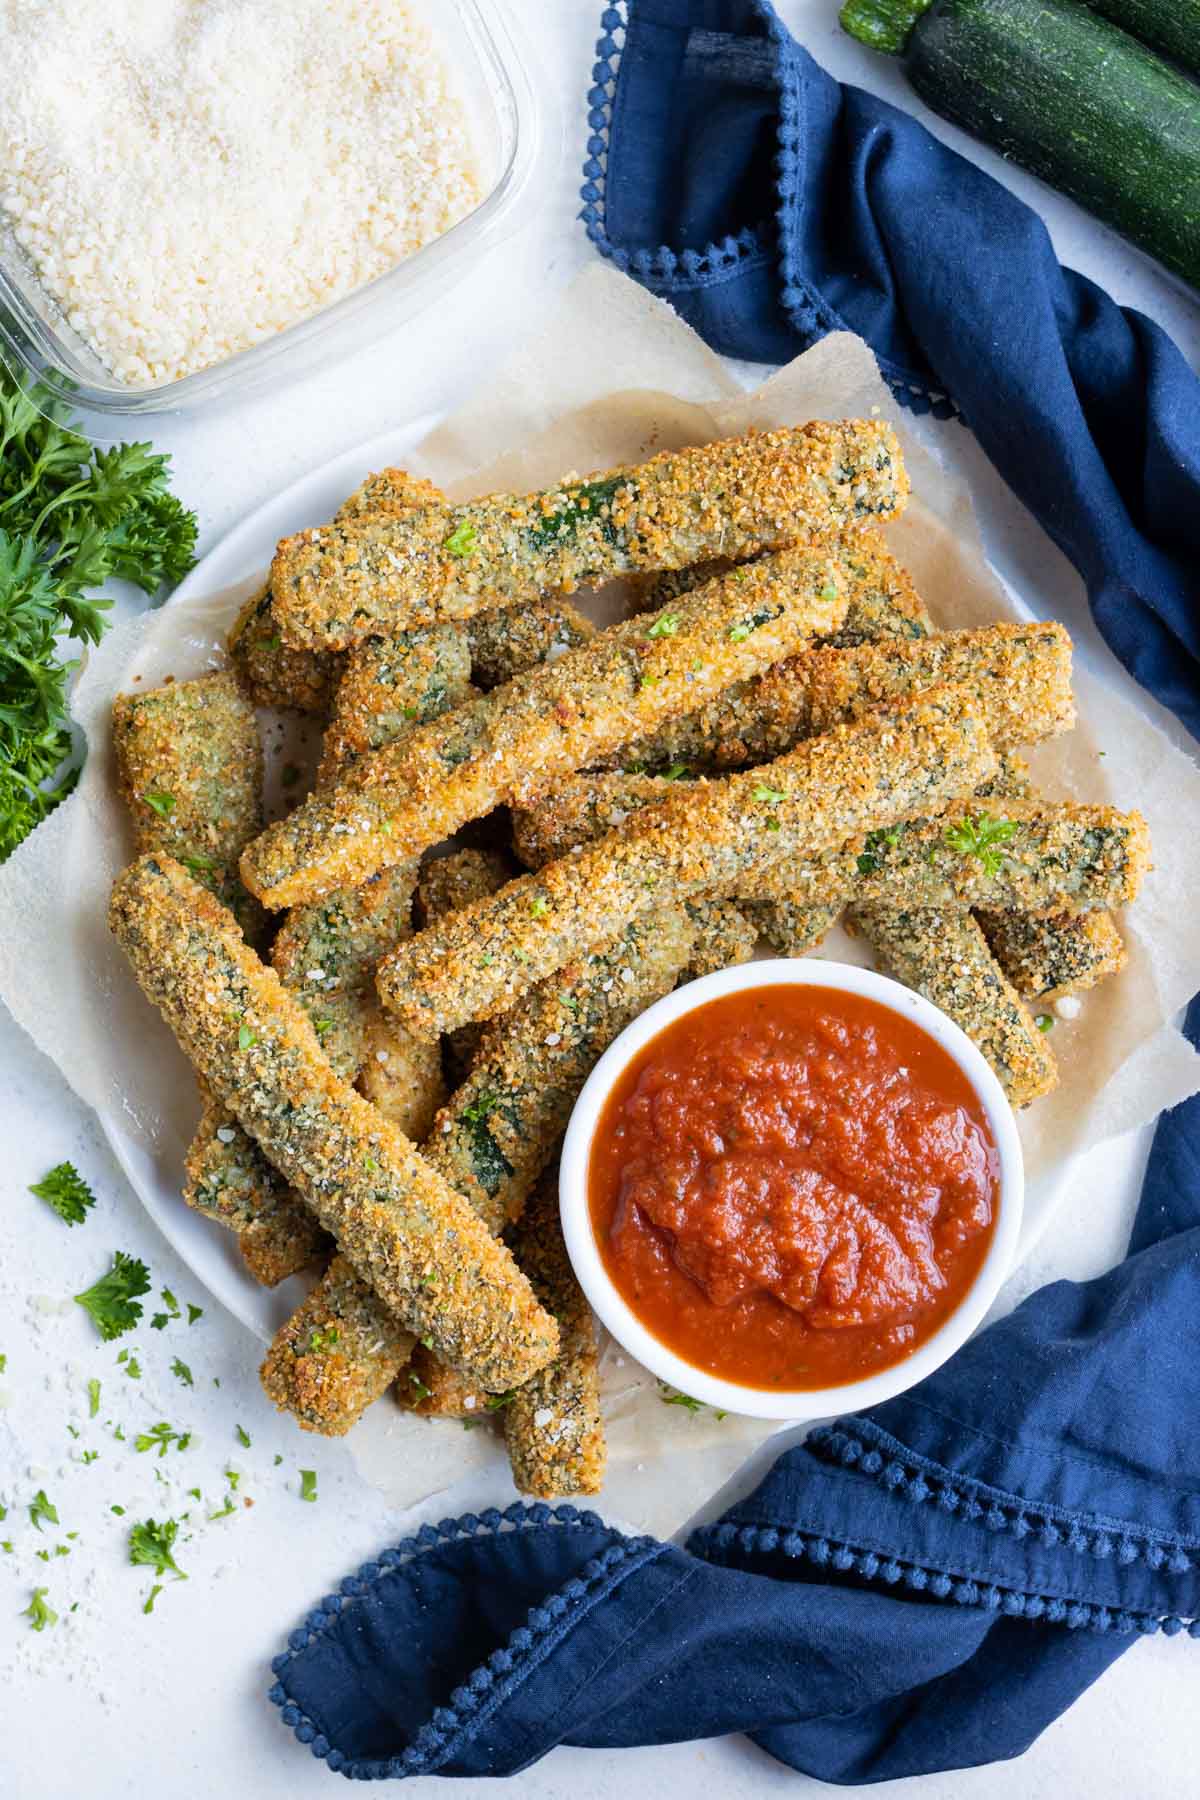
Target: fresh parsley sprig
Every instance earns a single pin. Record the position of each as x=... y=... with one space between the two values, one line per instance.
x=112 y=1302
x=71 y=517
x=64 y=1189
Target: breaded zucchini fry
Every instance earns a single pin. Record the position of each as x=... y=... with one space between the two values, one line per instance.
x=190 y=770
x=336 y=1354
x=390 y=685
x=339 y=583
x=1054 y=859
x=428 y=1387
x=504 y=644
x=230 y=1180
x=274 y=673
x=942 y=954
x=514 y=742
x=277 y=674
x=903 y=761
x=1048 y=958
x=553 y=1426
x=417 y=1242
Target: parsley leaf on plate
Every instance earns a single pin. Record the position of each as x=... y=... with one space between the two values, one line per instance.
x=112 y=1302
x=152 y=1544
x=64 y=1189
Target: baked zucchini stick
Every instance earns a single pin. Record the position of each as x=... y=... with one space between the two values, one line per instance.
x=336 y=1354
x=553 y=1426
x=275 y=673
x=910 y=760
x=389 y=686
x=514 y=742
x=504 y=644
x=190 y=770
x=942 y=954
x=189 y=766
x=339 y=583
x=405 y=1230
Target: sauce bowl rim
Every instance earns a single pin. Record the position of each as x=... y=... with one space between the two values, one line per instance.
x=795 y=1405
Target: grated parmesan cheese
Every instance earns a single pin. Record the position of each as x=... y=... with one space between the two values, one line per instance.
x=188 y=177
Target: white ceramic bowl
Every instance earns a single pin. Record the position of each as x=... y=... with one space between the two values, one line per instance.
x=623 y=1323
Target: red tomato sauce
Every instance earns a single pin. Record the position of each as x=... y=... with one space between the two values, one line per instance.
x=793 y=1187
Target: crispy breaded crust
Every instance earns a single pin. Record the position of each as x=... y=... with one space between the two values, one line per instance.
x=899 y=763
x=190 y=770
x=388 y=686
x=553 y=1427
x=942 y=954
x=1049 y=958
x=428 y=1387
x=275 y=673
x=230 y=1180
x=339 y=583
x=1019 y=674
x=404 y=1229
x=514 y=742
x=791 y=929
x=504 y=644
x=335 y=1355
x=446 y=883
x=724 y=936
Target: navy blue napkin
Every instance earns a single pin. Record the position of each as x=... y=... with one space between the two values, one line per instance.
x=928 y=1585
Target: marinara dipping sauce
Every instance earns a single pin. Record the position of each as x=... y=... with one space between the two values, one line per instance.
x=793 y=1187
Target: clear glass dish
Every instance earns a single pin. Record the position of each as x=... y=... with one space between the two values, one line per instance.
x=517 y=135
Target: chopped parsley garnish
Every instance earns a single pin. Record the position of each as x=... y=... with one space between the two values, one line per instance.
x=771 y=795
x=163 y=804
x=151 y=1546
x=112 y=1302
x=479 y=1109
x=829 y=591
x=3 y=1363
x=673 y=1397
x=160 y=1437
x=676 y=772
x=90 y=1456
x=419 y=1390
x=496 y=1402
x=739 y=633
x=323 y=1340
x=194 y=1313
x=152 y=1596
x=180 y=1368
x=67 y=1192
x=538 y=906
x=1044 y=1022
x=38 y=1613
x=223 y=1512
x=246 y=1038
x=870 y=858
x=162 y=1319
x=119 y=1510
x=243 y=1436
x=980 y=837
x=321 y=1026
x=461 y=541
x=665 y=626
x=198 y=865
x=42 y=1510
x=308 y=1484
x=133 y=1367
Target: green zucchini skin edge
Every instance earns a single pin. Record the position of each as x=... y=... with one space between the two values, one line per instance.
x=1172 y=26
x=1072 y=98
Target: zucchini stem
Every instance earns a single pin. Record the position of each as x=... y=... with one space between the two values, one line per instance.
x=882 y=24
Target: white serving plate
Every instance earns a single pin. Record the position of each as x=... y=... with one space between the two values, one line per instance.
x=157 y=1176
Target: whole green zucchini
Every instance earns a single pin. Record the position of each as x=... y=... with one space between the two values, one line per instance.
x=1170 y=25
x=1068 y=96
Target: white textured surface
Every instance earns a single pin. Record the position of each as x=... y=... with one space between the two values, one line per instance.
x=173 y=1704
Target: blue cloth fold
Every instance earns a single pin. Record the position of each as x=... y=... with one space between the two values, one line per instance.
x=928 y=1585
